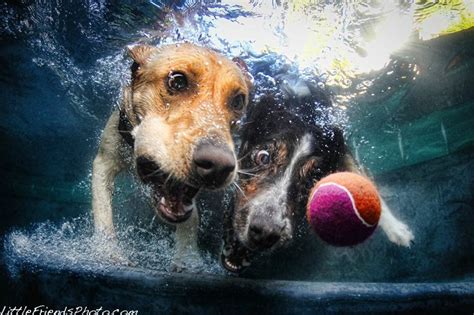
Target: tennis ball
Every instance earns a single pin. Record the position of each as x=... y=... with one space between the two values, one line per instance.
x=343 y=209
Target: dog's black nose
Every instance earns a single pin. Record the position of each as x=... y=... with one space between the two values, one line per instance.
x=213 y=164
x=264 y=234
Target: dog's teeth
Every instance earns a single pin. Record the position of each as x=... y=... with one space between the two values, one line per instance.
x=231 y=265
x=163 y=200
x=188 y=207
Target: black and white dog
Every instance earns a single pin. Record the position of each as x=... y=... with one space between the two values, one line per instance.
x=287 y=144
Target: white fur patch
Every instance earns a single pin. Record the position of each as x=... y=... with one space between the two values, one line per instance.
x=154 y=139
x=274 y=198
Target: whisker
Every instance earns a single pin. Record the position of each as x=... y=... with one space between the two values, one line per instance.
x=246 y=123
x=240 y=189
x=167 y=179
x=155 y=172
x=250 y=170
x=241 y=158
x=249 y=174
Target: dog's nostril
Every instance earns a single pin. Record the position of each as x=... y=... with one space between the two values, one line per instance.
x=264 y=236
x=213 y=164
x=255 y=230
x=204 y=164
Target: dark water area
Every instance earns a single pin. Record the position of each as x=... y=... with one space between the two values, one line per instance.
x=62 y=68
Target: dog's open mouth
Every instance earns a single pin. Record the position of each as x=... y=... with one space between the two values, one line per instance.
x=173 y=199
x=235 y=257
x=174 y=205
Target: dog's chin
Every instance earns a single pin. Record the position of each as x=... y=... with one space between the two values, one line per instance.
x=238 y=253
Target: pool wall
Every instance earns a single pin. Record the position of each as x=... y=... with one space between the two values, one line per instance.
x=163 y=293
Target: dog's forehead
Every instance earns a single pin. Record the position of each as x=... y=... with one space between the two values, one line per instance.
x=202 y=65
x=189 y=55
x=281 y=148
x=261 y=136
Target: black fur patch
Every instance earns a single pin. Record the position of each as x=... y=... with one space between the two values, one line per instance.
x=279 y=120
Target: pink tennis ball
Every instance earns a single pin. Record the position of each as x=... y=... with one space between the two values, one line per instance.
x=344 y=209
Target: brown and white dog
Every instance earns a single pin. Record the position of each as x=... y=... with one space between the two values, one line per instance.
x=174 y=126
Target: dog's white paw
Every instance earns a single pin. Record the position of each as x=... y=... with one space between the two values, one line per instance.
x=400 y=234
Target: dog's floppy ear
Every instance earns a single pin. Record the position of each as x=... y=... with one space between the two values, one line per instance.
x=245 y=71
x=140 y=53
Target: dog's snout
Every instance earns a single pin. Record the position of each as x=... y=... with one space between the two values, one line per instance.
x=264 y=233
x=213 y=164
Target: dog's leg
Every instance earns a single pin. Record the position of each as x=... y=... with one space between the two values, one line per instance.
x=187 y=252
x=107 y=164
x=396 y=231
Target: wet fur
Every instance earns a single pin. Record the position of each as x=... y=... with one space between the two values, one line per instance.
x=276 y=194
x=167 y=126
x=301 y=154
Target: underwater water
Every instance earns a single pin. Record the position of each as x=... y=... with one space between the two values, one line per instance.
x=400 y=76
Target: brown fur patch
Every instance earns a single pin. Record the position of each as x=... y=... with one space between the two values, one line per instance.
x=182 y=119
x=307 y=167
x=281 y=158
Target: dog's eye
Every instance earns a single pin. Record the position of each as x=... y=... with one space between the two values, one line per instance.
x=262 y=157
x=238 y=102
x=177 y=81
